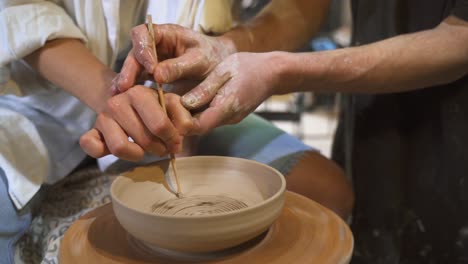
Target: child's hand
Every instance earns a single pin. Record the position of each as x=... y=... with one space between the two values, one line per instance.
x=137 y=113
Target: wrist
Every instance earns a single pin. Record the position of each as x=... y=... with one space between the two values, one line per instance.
x=297 y=72
x=285 y=77
x=98 y=100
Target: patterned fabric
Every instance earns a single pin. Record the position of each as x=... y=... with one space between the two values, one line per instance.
x=63 y=204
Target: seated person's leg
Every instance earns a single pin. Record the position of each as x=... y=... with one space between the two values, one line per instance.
x=323 y=181
x=13 y=223
x=306 y=171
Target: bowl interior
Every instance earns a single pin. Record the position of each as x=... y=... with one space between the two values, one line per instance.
x=210 y=185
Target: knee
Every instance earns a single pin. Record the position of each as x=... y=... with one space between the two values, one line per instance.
x=323 y=181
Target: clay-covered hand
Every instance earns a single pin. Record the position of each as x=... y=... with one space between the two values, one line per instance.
x=137 y=114
x=182 y=54
x=235 y=88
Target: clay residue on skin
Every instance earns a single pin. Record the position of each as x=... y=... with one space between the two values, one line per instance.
x=217 y=52
x=355 y=69
x=343 y=66
x=199 y=98
x=228 y=94
x=191 y=101
x=144 y=50
x=142 y=43
x=230 y=69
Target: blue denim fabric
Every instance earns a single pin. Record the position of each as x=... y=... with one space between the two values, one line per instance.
x=13 y=223
x=257 y=139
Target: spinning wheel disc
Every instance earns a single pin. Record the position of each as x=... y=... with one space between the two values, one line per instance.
x=305 y=232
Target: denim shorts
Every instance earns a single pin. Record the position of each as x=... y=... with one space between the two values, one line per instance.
x=257 y=139
x=13 y=222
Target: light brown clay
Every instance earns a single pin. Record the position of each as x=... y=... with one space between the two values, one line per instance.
x=226 y=201
x=305 y=232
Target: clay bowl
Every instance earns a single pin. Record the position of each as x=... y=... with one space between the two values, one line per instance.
x=226 y=201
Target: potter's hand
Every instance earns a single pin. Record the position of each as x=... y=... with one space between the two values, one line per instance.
x=183 y=54
x=137 y=113
x=235 y=88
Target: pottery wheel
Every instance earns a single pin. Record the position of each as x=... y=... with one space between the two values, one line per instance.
x=305 y=232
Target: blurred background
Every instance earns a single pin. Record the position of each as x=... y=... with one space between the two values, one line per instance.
x=312 y=117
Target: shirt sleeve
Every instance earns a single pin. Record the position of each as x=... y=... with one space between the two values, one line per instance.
x=461 y=9
x=26 y=27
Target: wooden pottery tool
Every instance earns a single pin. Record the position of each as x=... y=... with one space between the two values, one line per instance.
x=163 y=105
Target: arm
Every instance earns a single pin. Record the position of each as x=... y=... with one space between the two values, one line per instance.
x=67 y=63
x=45 y=36
x=398 y=64
x=403 y=63
x=282 y=25
x=184 y=54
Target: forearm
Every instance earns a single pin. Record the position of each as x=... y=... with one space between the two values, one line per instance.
x=68 y=64
x=281 y=25
x=402 y=63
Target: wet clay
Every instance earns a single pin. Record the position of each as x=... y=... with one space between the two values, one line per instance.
x=212 y=213
x=198 y=205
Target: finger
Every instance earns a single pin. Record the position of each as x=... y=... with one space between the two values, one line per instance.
x=209 y=119
x=145 y=101
x=92 y=142
x=174 y=43
x=131 y=70
x=114 y=85
x=122 y=112
x=192 y=64
x=179 y=115
x=222 y=111
x=205 y=91
x=143 y=48
x=116 y=140
x=173 y=40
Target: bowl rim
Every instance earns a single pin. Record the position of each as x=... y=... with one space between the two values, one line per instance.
x=275 y=196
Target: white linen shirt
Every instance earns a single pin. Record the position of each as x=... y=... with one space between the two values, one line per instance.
x=41 y=123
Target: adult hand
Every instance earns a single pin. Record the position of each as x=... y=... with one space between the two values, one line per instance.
x=137 y=113
x=184 y=54
x=235 y=88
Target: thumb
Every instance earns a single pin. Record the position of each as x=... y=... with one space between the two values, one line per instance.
x=208 y=120
x=92 y=142
x=205 y=91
